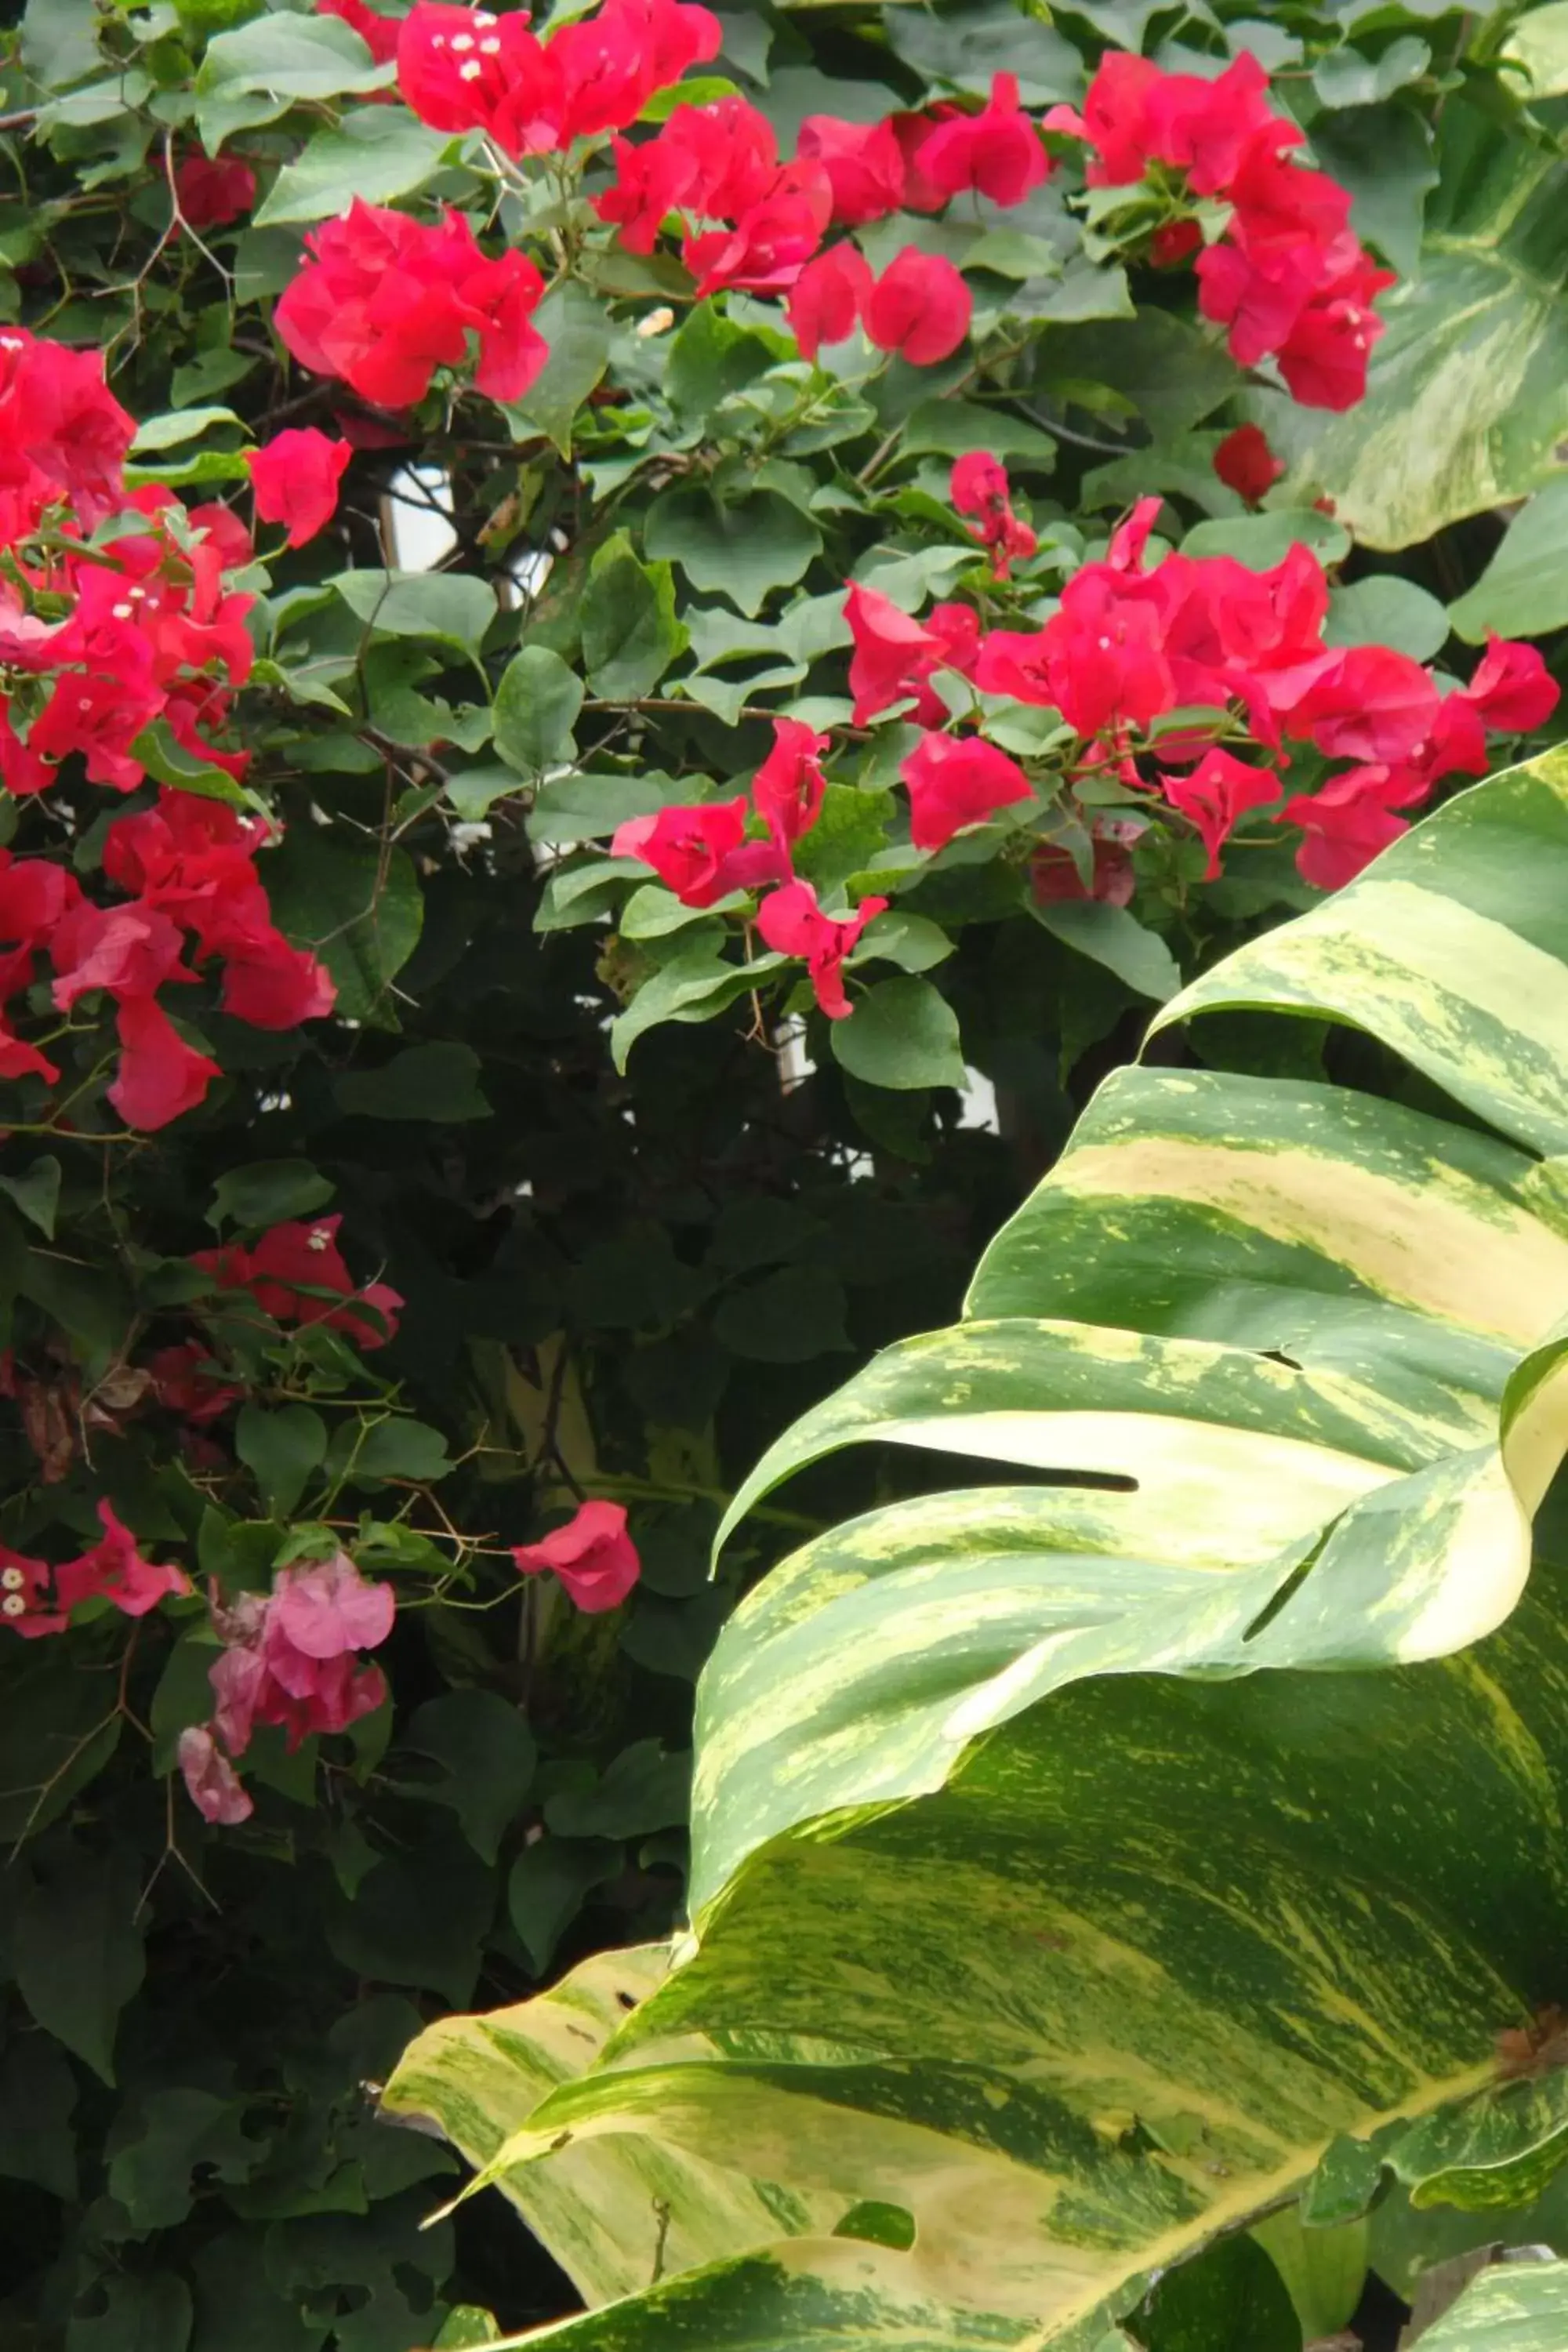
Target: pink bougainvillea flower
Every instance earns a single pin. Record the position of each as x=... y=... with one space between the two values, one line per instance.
x=383 y=301
x=378 y=33
x=213 y=190
x=979 y=487
x=1054 y=875
x=294 y=478
x=159 y=1077
x=292 y=1657
x=699 y=851
x=296 y=1274
x=791 y=923
x=1347 y=822
x=1512 y=690
x=1247 y=465
x=895 y=655
x=827 y=298
x=1219 y=790
x=772 y=241
x=26 y=1603
x=1368 y=703
x=787 y=789
x=593 y=1554
x=186 y=1382
x=472 y=70
x=996 y=152
x=115 y=1569
x=62 y=428
x=328 y=1609
x=213 y=1785
x=954 y=780
x=919 y=308
x=864 y=163
x=125 y=950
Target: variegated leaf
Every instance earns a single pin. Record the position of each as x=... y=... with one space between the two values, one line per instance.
x=1078 y=1855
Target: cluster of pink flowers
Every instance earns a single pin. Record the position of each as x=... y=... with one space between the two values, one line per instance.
x=1243 y=651
x=383 y=300
x=189 y=866
x=36 y=1599
x=291 y=1657
x=1288 y=279
x=719 y=165
x=701 y=853
x=101 y=637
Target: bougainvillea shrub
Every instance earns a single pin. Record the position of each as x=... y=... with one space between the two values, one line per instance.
x=633 y=646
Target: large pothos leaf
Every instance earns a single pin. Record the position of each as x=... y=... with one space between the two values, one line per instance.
x=1064 y=1882
x=1466 y=399
x=617 y=2213
x=1520 y=2307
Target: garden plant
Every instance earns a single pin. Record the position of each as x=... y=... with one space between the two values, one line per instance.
x=655 y=661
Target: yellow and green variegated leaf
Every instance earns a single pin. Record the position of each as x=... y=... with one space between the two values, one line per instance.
x=1517 y=2307
x=616 y=2214
x=1467 y=397
x=1082 y=1853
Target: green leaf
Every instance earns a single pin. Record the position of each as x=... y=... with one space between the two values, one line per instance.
x=1385 y=156
x=1263 y=541
x=631 y=633
x=537 y=703
x=547 y=1886
x=37 y=1192
x=267 y=1192
x=259 y=71
x=418 y=1917
x=361 y=911
x=1517 y=2307
x=1537 y=45
x=466 y=2325
x=436 y=1081
x=174 y=2131
x=375 y=152
x=745 y=547
x=911 y=941
x=398 y=1447
x=577 y=330
x=643 y=1790
x=177 y=425
x=488 y=1756
x=901 y=1034
x=1324 y=2270
x=951 y=427
x=1231 y=2294
x=1346 y=77
x=694 y=986
x=1467 y=392
x=708 y=359
x=1523 y=592
x=450 y=605
x=788 y=1318
x=591 y=807
x=282 y=1448
x=1113 y=936
x=1385 y=610
x=133 y=2312
x=37 y=2100
x=77 y=1952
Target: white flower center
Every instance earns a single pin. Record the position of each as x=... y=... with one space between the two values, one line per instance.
x=14 y=1605
x=12 y=1580
x=469 y=70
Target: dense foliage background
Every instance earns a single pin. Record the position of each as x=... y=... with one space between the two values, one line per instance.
x=638 y=1201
